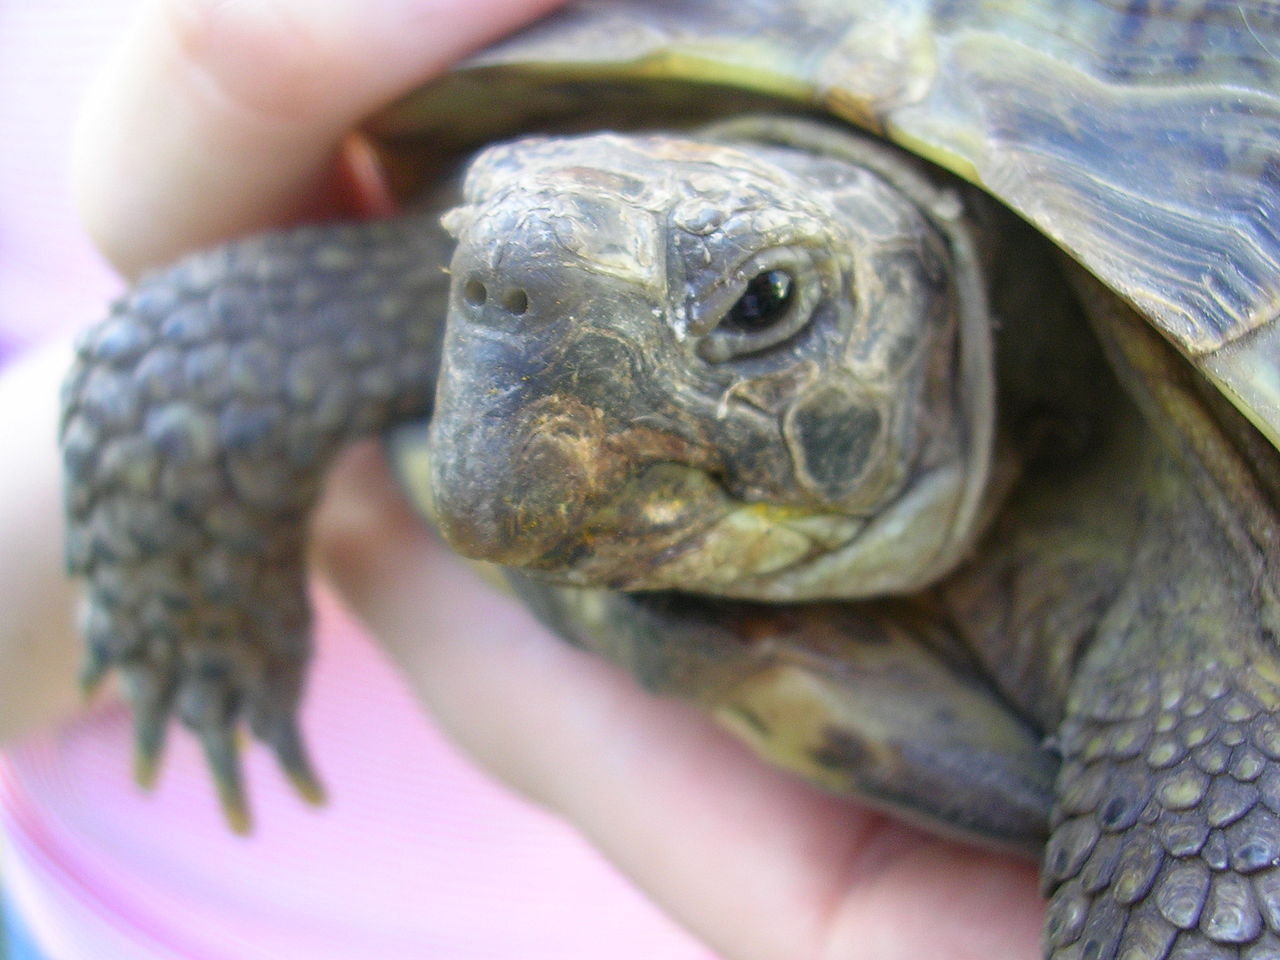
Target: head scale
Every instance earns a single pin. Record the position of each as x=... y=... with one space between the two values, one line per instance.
x=735 y=368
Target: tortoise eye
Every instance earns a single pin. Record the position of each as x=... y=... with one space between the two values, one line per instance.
x=766 y=301
x=770 y=308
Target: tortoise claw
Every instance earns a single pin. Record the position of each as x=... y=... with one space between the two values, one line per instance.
x=151 y=694
x=292 y=756
x=222 y=753
x=93 y=671
x=146 y=763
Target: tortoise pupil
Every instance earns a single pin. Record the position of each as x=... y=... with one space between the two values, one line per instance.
x=763 y=303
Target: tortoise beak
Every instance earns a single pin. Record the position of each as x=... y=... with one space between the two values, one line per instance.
x=509 y=483
x=541 y=370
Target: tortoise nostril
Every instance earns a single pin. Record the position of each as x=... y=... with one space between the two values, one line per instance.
x=475 y=293
x=515 y=301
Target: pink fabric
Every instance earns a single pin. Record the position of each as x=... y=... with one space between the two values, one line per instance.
x=417 y=855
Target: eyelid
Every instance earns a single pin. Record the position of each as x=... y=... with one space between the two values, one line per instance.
x=706 y=312
x=706 y=315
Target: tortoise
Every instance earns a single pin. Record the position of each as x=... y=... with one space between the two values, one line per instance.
x=898 y=381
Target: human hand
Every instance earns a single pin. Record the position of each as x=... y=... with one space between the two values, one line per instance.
x=218 y=120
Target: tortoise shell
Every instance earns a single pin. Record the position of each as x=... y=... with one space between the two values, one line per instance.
x=1144 y=139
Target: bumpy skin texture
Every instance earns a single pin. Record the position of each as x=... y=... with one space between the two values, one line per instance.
x=197 y=423
x=1168 y=828
x=1122 y=602
x=1166 y=833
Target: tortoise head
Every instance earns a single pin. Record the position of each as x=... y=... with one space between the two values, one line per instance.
x=674 y=363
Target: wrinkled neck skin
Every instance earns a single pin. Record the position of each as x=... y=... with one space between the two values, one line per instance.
x=742 y=369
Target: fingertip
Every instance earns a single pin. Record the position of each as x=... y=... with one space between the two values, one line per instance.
x=164 y=160
x=214 y=119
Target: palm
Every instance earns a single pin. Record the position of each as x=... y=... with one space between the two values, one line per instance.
x=756 y=863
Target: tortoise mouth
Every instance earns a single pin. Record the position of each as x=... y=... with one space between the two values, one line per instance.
x=567 y=497
x=661 y=512
x=675 y=526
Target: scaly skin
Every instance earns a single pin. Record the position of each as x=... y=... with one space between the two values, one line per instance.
x=1166 y=834
x=1123 y=602
x=1167 y=829
x=1158 y=681
x=198 y=420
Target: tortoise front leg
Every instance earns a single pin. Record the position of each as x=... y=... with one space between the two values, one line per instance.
x=1166 y=834
x=869 y=700
x=1165 y=837
x=198 y=419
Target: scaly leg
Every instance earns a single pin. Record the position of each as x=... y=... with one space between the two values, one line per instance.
x=197 y=422
x=1166 y=834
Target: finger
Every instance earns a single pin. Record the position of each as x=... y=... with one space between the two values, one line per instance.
x=756 y=863
x=214 y=119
